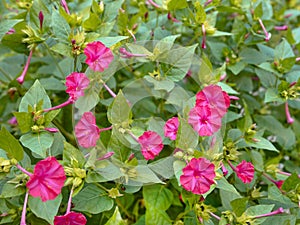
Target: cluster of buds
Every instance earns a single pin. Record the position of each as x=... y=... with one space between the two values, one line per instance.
x=75 y=175
x=6 y=164
x=128 y=173
x=230 y=151
x=289 y=90
x=203 y=211
x=230 y=57
x=249 y=135
x=186 y=155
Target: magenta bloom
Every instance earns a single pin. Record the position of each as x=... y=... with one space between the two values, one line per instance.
x=171 y=128
x=86 y=130
x=71 y=218
x=245 y=171
x=215 y=97
x=76 y=84
x=151 y=144
x=198 y=176
x=98 y=56
x=47 y=179
x=204 y=120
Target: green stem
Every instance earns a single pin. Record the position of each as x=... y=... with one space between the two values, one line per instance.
x=124 y=209
x=69 y=136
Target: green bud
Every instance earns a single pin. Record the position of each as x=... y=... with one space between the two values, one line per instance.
x=35 y=128
x=69 y=181
x=114 y=193
x=79 y=173
x=77 y=181
x=179 y=155
x=69 y=171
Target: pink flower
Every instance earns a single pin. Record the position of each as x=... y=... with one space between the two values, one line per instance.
x=204 y=120
x=86 y=130
x=151 y=144
x=47 y=179
x=76 y=84
x=98 y=56
x=215 y=97
x=71 y=218
x=171 y=128
x=245 y=171
x=198 y=176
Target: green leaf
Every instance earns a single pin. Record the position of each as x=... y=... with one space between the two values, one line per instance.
x=92 y=199
x=258 y=11
x=157 y=196
x=239 y=205
x=155 y=216
x=164 y=45
x=34 y=96
x=25 y=121
x=53 y=84
x=116 y=219
x=71 y=153
x=261 y=143
x=119 y=112
x=10 y=190
x=144 y=175
x=166 y=85
x=49 y=116
x=268 y=79
x=5 y=25
x=92 y=23
x=252 y=56
x=63 y=49
x=276 y=195
x=110 y=41
x=87 y=102
x=60 y=27
x=163 y=167
x=176 y=4
x=46 y=210
x=10 y=145
x=38 y=143
x=272 y=96
x=200 y=15
x=187 y=137
x=291 y=182
x=283 y=51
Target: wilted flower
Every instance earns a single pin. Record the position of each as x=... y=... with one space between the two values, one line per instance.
x=171 y=128
x=71 y=218
x=76 y=83
x=198 y=176
x=47 y=179
x=86 y=130
x=151 y=144
x=204 y=120
x=245 y=171
x=98 y=56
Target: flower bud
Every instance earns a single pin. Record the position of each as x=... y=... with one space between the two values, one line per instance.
x=114 y=193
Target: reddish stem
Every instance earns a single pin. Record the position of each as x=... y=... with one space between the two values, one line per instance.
x=69 y=202
x=21 y=78
x=23 y=218
x=289 y=119
x=278 y=211
x=68 y=102
x=23 y=170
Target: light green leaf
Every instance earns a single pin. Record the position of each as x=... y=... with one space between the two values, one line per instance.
x=5 y=25
x=166 y=85
x=110 y=41
x=63 y=49
x=283 y=50
x=46 y=210
x=25 y=121
x=261 y=143
x=187 y=137
x=38 y=143
x=116 y=219
x=33 y=96
x=60 y=27
x=10 y=190
x=272 y=96
x=92 y=199
x=157 y=197
x=227 y=88
x=163 y=167
x=70 y=153
x=176 y=4
x=87 y=102
x=119 y=112
x=10 y=145
x=155 y=217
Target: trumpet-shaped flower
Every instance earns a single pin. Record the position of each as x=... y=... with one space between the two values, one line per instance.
x=171 y=128
x=151 y=144
x=98 y=56
x=198 y=176
x=215 y=97
x=76 y=83
x=245 y=171
x=71 y=218
x=86 y=130
x=47 y=179
x=204 y=120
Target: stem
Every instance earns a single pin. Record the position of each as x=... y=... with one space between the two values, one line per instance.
x=70 y=201
x=231 y=166
x=23 y=218
x=21 y=78
x=278 y=211
x=133 y=136
x=68 y=102
x=297 y=59
x=132 y=35
x=65 y=6
x=203 y=45
x=264 y=29
x=109 y=90
x=123 y=209
x=23 y=170
x=104 y=129
x=154 y=4
x=289 y=119
x=215 y=216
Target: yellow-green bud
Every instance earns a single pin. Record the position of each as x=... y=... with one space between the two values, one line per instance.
x=35 y=128
x=69 y=181
x=79 y=173
x=77 y=181
x=114 y=193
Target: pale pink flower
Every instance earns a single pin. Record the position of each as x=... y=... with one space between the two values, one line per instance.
x=47 y=179
x=98 y=56
x=76 y=83
x=215 y=97
x=151 y=144
x=71 y=218
x=245 y=171
x=86 y=130
x=204 y=120
x=198 y=176
x=171 y=128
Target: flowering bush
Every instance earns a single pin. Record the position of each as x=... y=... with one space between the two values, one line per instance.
x=149 y=112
